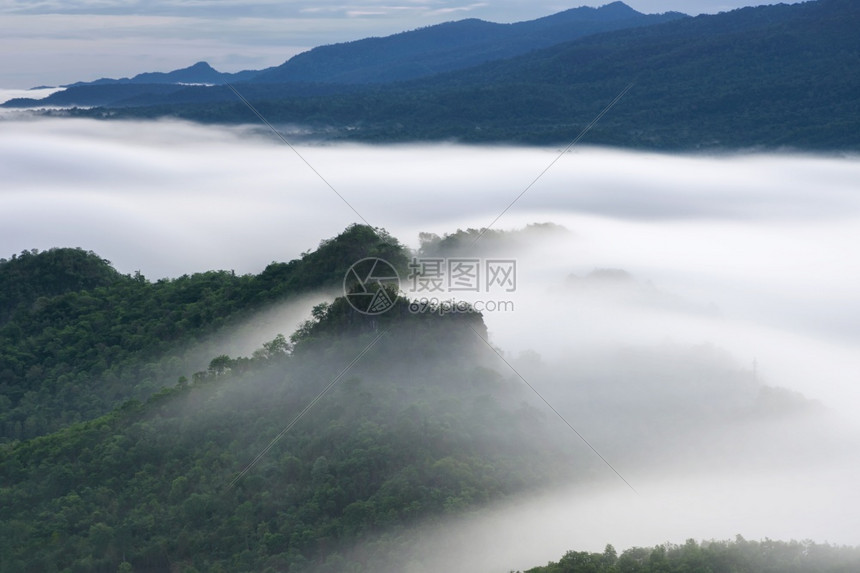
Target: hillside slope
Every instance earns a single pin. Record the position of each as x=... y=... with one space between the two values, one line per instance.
x=451 y=46
x=335 y=68
x=77 y=338
x=328 y=450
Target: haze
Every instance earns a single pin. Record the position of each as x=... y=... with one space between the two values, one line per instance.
x=751 y=257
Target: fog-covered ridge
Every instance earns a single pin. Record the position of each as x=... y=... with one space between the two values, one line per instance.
x=694 y=317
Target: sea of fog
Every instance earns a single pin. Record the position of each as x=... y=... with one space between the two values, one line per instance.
x=753 y=254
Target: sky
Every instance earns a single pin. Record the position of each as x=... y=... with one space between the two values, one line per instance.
x=59 y=42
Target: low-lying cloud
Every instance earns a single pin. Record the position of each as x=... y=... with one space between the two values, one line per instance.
x=671 y=508
x=750 y=255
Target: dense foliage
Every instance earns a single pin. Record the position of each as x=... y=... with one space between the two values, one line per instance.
x=738 y=556
x=418 y=427
x=77 y=338
x=322 y=450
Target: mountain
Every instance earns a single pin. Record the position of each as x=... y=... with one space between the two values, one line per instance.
x=420 y=425
x=770 y=77
x=26 y=278
x=143 y=88
x=451 y=46
x=335 y=68
x=77 y=338
x=737 y=555
x=199 y=73
x=324 y=450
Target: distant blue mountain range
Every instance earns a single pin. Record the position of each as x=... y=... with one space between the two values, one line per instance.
x=768 y=77
x=408 y=55
x=200 y=73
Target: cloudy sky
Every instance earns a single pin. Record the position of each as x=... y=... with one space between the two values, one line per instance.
x=51 y=42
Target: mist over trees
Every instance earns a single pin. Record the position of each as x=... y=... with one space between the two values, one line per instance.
x=420 y=426
x=77 y=338
x=738 y=555
x=678 y=361
x=133 y=441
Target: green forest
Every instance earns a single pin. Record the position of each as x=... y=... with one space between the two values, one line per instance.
x=131 y=442
x=77 y=338
x=115 y=458
x=736 y=556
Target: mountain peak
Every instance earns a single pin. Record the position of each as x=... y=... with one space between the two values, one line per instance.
x=199 y=67
x=618 y=7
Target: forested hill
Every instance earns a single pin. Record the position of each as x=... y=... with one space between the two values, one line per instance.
x=418 y=427
x=330 y=448
x=739 y=555
x=77 y=338
x=34 y=275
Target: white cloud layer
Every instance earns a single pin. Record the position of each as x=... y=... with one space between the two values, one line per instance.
x=670 y=509
x=768 y=240
x=751 y=255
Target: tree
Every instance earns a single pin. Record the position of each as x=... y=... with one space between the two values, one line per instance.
x=220 y=365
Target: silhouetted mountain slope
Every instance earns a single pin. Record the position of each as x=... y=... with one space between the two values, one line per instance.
x=408 y=55
x=199 y=73
x=450 y=46
x=110 y=94
x=768 y=77
x=144 y=89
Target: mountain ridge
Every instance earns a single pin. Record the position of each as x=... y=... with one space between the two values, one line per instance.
x=329 y=449
x=769 y=78
x=376 y=60
x=440 y=48
x=198 y=73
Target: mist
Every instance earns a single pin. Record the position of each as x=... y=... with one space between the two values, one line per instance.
x=740 y=267
x=671 y=509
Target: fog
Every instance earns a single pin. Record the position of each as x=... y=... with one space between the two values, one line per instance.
x=671 y=508
x=751 y=256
